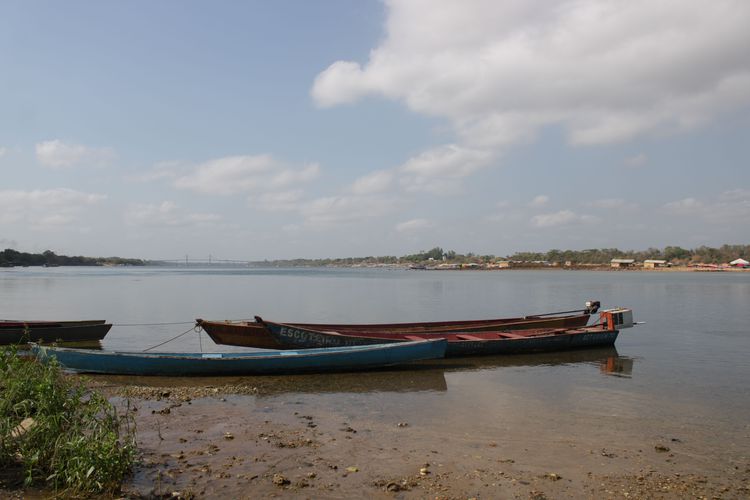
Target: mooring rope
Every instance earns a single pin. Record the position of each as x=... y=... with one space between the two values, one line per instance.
x=154 y=324
x=173 y=338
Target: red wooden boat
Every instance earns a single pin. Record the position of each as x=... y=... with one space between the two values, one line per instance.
x=463 y=343
x=19 y=331
x=252 y=334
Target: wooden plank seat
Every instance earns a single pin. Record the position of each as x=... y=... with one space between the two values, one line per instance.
x=508 y=335
x=469 y=337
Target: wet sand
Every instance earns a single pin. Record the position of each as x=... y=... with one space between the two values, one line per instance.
x=286 y=437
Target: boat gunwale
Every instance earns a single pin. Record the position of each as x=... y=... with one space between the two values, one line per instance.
x=234 y=356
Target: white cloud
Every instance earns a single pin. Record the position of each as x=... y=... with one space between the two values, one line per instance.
x=611 y=204
x=288 y=177
x=345 y=77
x=3 y=151
x=166 y=213
x=413 y=225
x=539 y=201
x=46 y=208
x=374 y=182
x=605 y=71
x=446 y=161
x=561 y=218
x=58 y=154
x=732 y=205
x=686 y=206
x=441 y=169
x=243 y=174
x=160 y=171
x=278 y=201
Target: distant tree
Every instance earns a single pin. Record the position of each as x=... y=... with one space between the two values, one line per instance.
x=676 y=253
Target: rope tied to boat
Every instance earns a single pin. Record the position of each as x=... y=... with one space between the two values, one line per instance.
x=194 y=328
x=154 y=324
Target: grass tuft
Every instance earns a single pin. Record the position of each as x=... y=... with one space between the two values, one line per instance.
x=59 y=433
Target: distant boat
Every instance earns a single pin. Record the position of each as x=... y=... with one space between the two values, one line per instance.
x=604 y=333
x=19 y=331
x=253 y=334
x=245 y=363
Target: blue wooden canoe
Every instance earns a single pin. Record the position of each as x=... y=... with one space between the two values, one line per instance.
x=245 y=363
x=471 y=343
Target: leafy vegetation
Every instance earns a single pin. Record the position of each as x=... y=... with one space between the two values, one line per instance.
x=10 y=257
x=601 y=256
x=674 y=254
x=74 y=440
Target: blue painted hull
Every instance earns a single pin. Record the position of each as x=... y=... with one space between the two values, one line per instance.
x=301 y=338
x=249 y=363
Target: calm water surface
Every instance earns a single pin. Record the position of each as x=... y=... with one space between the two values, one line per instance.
x=686 y=371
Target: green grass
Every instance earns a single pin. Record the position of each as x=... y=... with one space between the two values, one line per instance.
x=78 y=443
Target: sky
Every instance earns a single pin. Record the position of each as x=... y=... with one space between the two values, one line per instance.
x=292 y=129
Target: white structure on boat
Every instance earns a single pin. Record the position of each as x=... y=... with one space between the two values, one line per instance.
x=739 y=263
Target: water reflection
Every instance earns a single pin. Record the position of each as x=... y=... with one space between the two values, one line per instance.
x=406 y=379
x=617 y=366
x=600 y=357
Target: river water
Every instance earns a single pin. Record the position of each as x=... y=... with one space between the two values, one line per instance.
x=681 y=376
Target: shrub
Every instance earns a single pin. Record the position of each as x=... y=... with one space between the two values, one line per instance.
x=77 y=442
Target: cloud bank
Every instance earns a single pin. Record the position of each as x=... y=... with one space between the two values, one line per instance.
x=603 y=71
x=59 y=154
x=45 y=208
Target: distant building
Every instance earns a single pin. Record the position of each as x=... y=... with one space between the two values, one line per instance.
x=497 y=265
x=652 y=263
x=621 y=262
x=448 y=265
x=739 y=263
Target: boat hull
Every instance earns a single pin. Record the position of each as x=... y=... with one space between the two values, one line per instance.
x=242 y=334
x=254 y=334
x=18 y=332
x=459 y=343
x=250 y=363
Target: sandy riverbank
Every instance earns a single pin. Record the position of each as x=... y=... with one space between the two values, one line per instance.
x=240 y=441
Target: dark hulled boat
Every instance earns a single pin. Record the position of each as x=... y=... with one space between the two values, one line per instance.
x=18 y=331
x=603 y=333
x=253 y=334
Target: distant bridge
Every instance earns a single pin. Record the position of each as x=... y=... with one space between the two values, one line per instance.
x=197 y=261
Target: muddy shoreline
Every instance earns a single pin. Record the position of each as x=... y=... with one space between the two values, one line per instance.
x=246 y=442
x=235 y=439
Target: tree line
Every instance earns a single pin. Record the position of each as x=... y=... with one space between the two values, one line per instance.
x=10 y=257
x=674 y=254
x=602 y=256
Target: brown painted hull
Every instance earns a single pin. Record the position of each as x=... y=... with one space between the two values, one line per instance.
x=253 y=334
x=244 y=334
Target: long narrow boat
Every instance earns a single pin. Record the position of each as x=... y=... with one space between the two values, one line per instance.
x=246 y=363
x=604 y=333
x=19 y=331
x=252 y=334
